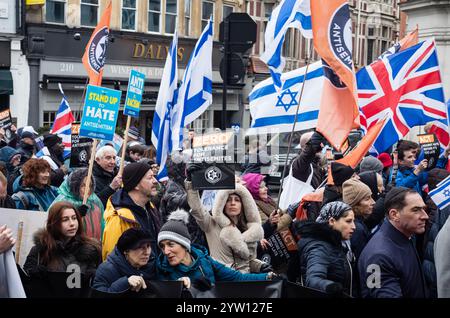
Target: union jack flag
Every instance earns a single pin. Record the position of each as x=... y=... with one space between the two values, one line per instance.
x=63 y=124
x=441 y=130
x=407 y=88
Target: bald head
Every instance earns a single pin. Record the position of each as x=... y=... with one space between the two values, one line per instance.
x=305 y=138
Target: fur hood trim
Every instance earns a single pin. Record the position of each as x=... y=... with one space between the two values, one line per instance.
x=249 y=207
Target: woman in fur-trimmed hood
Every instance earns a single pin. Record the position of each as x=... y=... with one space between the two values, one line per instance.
x=234 y=228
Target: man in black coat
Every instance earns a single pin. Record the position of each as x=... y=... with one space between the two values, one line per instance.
x=389 y=266
x=105 y=173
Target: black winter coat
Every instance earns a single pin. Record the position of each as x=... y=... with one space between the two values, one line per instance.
x=360 y=237
x=112 y=275
x=323 y=259
x=301 y=167
x=437 y=220
x=103 y=179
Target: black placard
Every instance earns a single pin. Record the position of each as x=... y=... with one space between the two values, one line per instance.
x=81 y=148
x=216 y=155
x=282 y=248
x=6 y=123
x=431 y=149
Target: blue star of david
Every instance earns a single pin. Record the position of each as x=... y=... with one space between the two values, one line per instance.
x=447 y=193
x=289 y=96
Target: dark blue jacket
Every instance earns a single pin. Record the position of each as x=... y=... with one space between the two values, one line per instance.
x=323 y=259
x=399 y=266
x=202 y=267
x=112 y=275
x=360 y=237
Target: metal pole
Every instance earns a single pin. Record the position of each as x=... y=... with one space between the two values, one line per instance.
x=225 y=73
x=308 y=59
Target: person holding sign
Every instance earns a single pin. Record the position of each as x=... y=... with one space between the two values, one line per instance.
x=326 y=262
x=131 y=207
x=234 y=228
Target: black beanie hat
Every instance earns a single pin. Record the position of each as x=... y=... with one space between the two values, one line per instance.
x=51 y=139
x=341 y=173
x=132 y=239
x=175 y=229
x=133 y=174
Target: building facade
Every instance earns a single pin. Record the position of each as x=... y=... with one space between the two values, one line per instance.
x=141 y=32
x=14 y=72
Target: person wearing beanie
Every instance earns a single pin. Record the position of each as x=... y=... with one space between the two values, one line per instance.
x=233 y=230
x=370 y=163
x=391 y=251
x=340 y=173
x=131 y=206
x=182 y=260
x=27 y=145
x=359 y=197
x=129 y=266
x=326 y=261
x=54 y=155
x=12 y=159
x=72 y=190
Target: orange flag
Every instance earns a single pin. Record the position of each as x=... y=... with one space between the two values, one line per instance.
x=412 y=38
x=355 y=156
x=332 y=36
x=95 y=53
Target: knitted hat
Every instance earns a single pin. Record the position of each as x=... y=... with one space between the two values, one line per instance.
x=132 y=239
x=333 y=210
x=341 y=173
x=175 y=229
x=353 y=191
x=133 y=174
x=385 y=159
x=51 y=139
x=371 y=164
x=27 y=134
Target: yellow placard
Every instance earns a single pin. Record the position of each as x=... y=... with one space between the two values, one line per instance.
x=33 y=2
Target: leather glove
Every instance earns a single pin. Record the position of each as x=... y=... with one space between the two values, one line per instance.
x=83 y=209
x=192 y=167
x=334 y=289
x=317 y=141
x=266 y=268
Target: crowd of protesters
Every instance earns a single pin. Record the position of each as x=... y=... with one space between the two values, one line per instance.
x=367 y=232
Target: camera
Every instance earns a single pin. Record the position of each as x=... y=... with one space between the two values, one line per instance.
x=77 y=36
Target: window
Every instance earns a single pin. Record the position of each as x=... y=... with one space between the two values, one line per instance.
x=370 y=31
x=187 y=17
x=171 y=16
x=55 y=11
x=50 y=116
x=154 y=15
x=370 y=51
x=89 y=12
x=226 y=11
x=268 y=7
x=129 y=15
x=207 y=11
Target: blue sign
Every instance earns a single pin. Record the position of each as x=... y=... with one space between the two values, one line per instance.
x=134 y=94
x=100 y=112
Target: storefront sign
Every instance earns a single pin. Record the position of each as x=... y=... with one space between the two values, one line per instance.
x=154 y=51
x=134 y=94
x=81 y=148
x=100 y=112
x=32 y=2
x=431 y=149
x=216 y=154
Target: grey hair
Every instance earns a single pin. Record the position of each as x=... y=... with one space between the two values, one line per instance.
x=102 y=150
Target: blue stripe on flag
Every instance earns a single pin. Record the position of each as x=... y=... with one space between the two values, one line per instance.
x=304 y=20
x=284 y=15
x=285 y=119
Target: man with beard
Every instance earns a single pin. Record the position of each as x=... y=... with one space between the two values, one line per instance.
x=131 y=207
x=53 y=154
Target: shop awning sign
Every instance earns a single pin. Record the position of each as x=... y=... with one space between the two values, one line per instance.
x=100 y=112
x=134 y=93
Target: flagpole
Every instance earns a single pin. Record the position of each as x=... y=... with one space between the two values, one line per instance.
x=89 y=176
x=124 y=146
x=308 y=60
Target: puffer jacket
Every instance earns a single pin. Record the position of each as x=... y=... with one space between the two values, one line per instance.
x=227 y=243
x=112 y=275
x=202 y=267
x=85 y=255
x=121 y=214
x=323 y=259
x=93 y=222
x=32 y=198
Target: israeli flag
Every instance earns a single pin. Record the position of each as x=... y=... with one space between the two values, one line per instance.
x=441 y=195
x=195 y=93
x=288 y=14
x=275 y=111
x=166 y=105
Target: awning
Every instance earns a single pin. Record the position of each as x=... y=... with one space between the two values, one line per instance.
x=6 y=83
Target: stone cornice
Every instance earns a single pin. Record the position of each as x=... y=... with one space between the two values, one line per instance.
x=420 y=4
